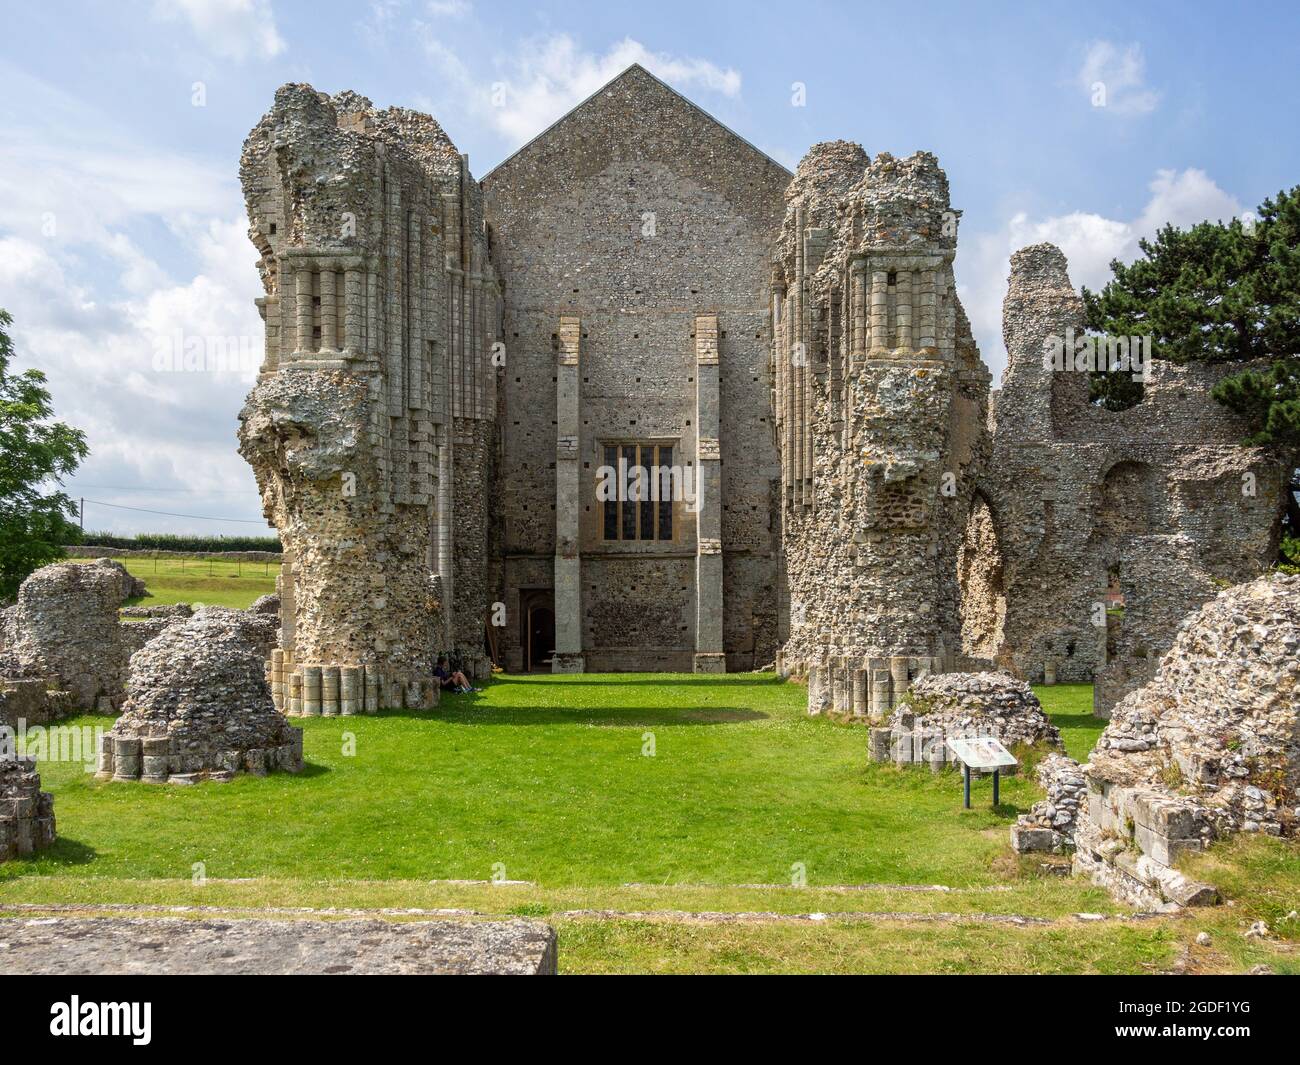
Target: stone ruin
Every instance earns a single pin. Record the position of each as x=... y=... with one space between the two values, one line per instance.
x=449 y=362
x=1209 y=747
x=945 y=706
x=200 y=707
x=64 y=631
x=370 y=426
x=26 y=812
x=881 y=404
x=1049 y=825
x=1095 y=532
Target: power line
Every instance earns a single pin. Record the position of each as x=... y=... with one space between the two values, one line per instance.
x=145 y=488
x=169 y=514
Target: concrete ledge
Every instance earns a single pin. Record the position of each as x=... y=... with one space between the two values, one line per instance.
x=179 y=946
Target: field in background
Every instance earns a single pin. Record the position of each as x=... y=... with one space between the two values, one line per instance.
x=198 y=580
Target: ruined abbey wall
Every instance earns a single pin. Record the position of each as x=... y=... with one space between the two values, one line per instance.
x=376 y=396
x=634 y=238
x=1160 y=501
x=452 y=368
x=880 y=400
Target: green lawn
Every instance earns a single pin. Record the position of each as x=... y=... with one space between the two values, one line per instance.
x=550 y=780
x=547 y=779
x=209 y=582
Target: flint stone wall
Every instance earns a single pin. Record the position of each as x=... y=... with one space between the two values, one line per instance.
x=1210 y=747
x=881 y=410
x=381 y=305
x=200 y=706
x=1163 y=494
x=26 y=812
x=65 y=626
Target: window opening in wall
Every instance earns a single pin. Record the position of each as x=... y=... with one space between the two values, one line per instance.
x=628 y=517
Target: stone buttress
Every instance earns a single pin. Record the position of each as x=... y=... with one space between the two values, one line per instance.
x=881 y=403
x=371 y=426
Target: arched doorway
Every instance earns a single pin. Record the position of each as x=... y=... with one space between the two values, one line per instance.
x=537 y=635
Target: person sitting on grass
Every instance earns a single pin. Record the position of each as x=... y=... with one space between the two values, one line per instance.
x=452 y=680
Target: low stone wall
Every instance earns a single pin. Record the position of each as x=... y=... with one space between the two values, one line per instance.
x=33 y=701
x=1050 y=825
x=26 y=812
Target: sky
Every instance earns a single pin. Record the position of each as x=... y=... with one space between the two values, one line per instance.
x=122 y=227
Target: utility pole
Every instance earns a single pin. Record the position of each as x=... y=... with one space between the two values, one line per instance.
x=81 y=514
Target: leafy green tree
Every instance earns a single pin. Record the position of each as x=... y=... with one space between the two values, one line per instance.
x=34 y=452
x=1218 y=293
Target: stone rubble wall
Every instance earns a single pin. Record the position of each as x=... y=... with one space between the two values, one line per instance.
x=942 y=706
x=1050 y=824
x=377 y=395
x=1164 y=493
x=1209 y=747
x=32 y=701
x=881 y=411
x=26 y=812
x=200 y=707
x=64 y=627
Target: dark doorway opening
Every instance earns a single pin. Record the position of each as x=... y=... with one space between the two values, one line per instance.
x=537 y=638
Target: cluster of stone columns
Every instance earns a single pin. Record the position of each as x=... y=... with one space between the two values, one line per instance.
x=331 y=299
x=868 y=688
x=26 y=812
x=315 y=690
x=912 y=295
x=158 y=760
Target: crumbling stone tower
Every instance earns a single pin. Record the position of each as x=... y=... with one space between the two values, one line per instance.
x=371 y=427
x=881 y=404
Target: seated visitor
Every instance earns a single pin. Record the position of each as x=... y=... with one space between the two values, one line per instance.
x=452 y=680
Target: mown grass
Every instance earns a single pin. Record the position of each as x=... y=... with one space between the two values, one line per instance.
x=551 y=780
x=209 y=582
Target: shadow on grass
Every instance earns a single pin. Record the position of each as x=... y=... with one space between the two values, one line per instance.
x=62 y=852
x=465 y=713
x=661 y=680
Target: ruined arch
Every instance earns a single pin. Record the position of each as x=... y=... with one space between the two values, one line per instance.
x=980 y=576
x=1131 y=501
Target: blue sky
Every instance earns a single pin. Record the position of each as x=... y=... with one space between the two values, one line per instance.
x=122 y=224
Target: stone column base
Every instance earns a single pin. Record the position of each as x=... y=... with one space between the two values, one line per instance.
x=710 y=663
x=568 y=662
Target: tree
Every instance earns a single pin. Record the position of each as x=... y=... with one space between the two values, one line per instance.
x=34 y=452
x=1218 y=293
x=1215 y=293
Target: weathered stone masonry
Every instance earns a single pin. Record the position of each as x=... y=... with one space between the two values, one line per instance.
x=451 y=365
x=376 y=399
x=881 y=402
x=633 y=237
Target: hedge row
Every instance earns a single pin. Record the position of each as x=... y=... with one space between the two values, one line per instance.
x=175 y=542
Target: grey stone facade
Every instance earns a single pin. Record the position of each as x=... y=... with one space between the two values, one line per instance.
x=634 y=238
x=773 y=372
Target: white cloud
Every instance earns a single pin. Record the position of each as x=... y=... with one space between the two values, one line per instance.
x=1114 y=79
x=1090 y=242
x=234 y=29
x=448 y=8
x=84 y=208
x=549 y=75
